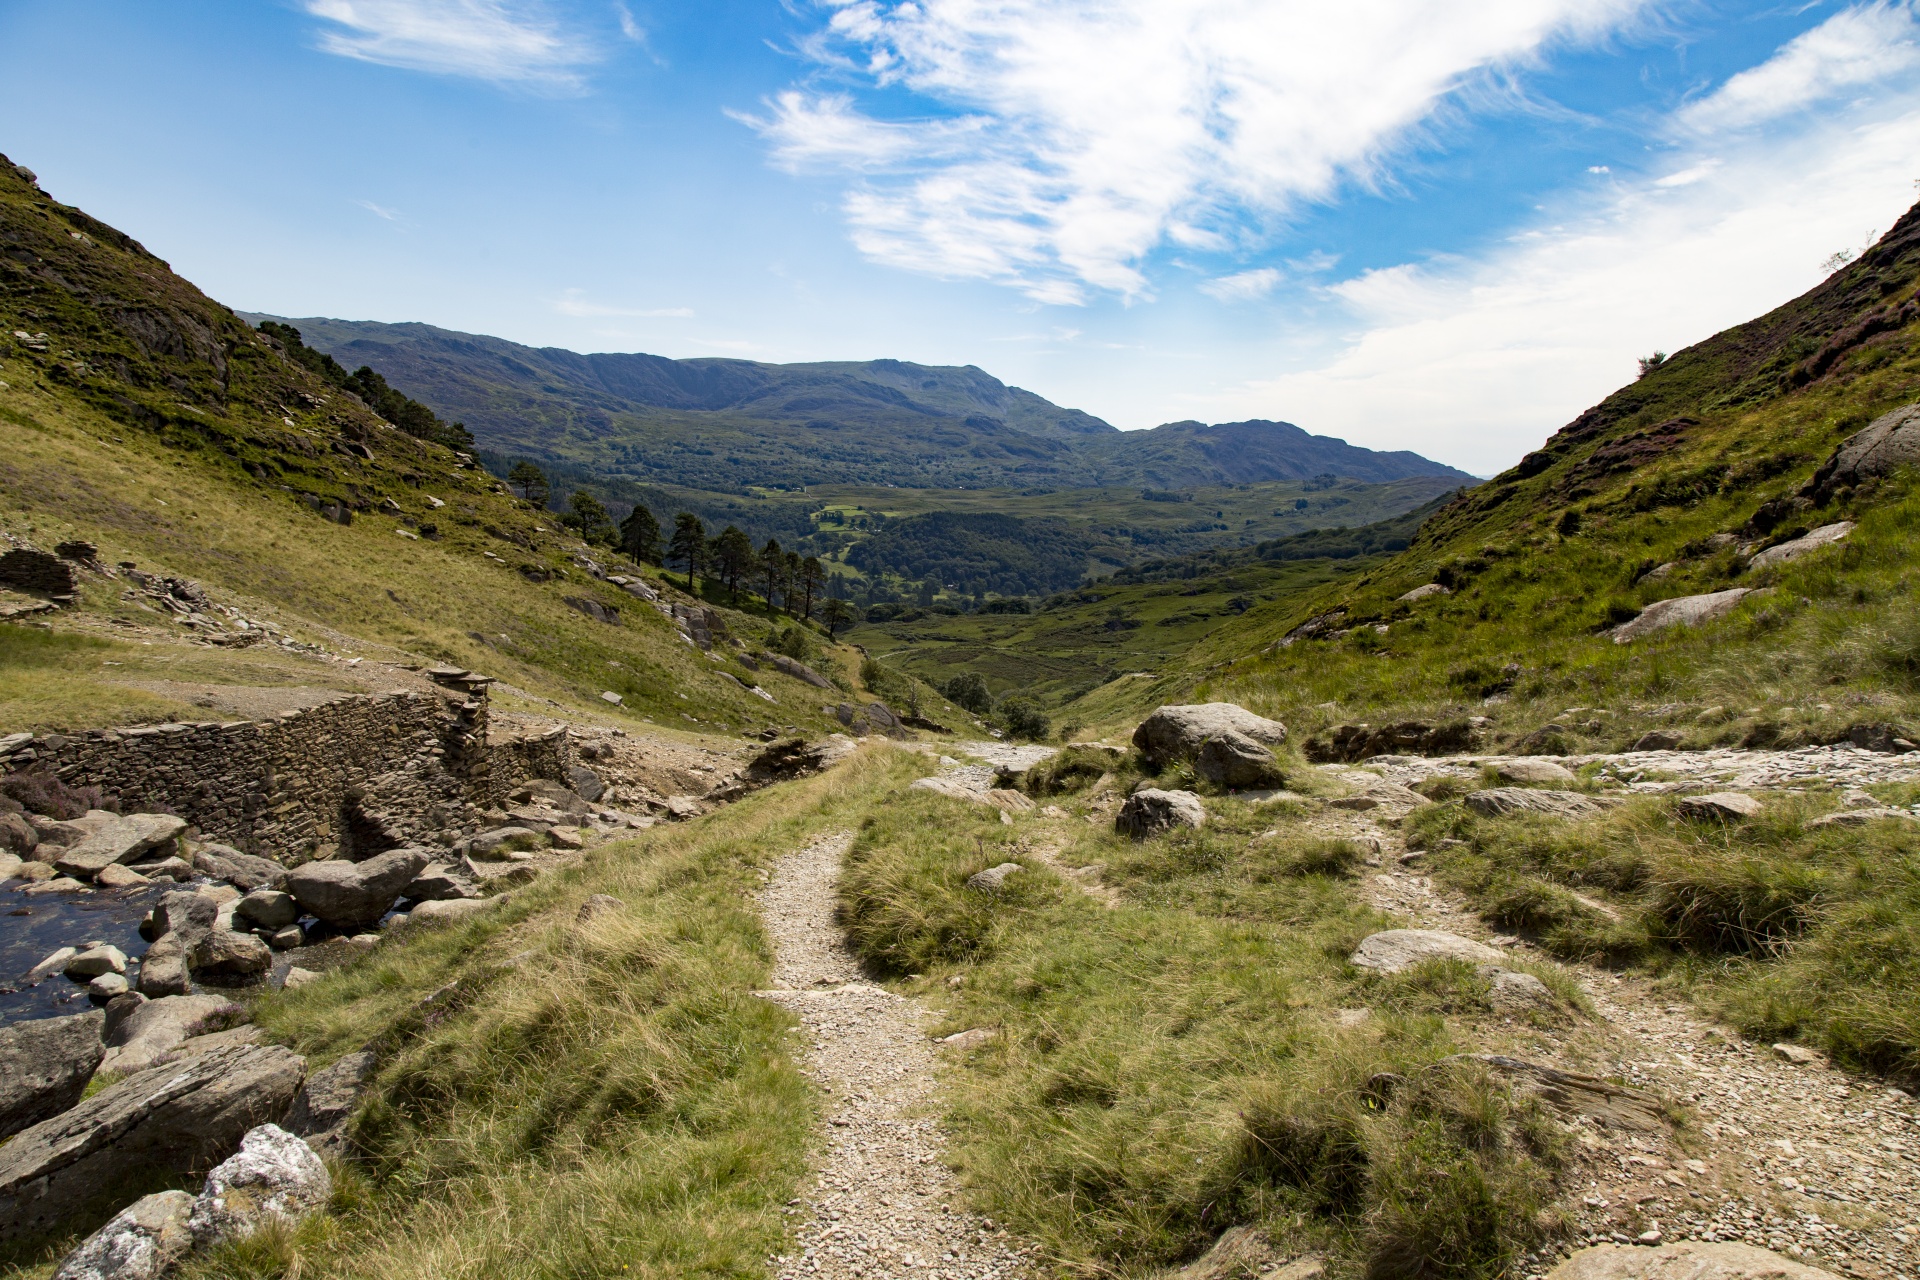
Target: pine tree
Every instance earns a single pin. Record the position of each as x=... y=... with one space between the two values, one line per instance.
x=836 y=613
x=640 y=535
x=733 y=557
x=812 y=578
x=587 y=516
x=534 y=486
x=689 y=544
x=772 y=561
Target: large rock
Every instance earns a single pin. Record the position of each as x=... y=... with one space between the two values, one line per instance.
x=268 y=909
x=800 y=671
x=44 y=1067
x=68 y=832
x=1175 y=733
x=326 y=1102
x=1232 y=759
x=1684 y=1260
x=163 y=970
x=1533 y=771
x=1886 y=444
x=1825 y=536
x=122 y=840
x=1682 y=611
x=355 y=893
x=226 y=956
x=1003 y=798
x=1725 y=806
x=242 y=870
x=1398 y=949
x=142 y=1242
x=159 y=1026
x=167 y=1119
x=441 y=882
x=17 y=834
x=447 y=910
x=1152 y=811
x=1496 y=802
x=273 y=1177
x=993 y=879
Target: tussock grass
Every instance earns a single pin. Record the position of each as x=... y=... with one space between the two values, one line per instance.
x=1173 y=1066
x=1787 y=931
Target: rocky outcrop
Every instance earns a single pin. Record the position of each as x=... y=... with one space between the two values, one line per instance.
x=1399 y=949
x=1720 y=806
x=273 y=1178
x=1003 y=798
x=1825 y=536
x=1355 y=742
x=158 y=1027
x=142 y=1242
x=166 y=1119
x=1886 y=444
x=355 y=894
x=325 y=1104
x=1681 y=611
x=799 y=671
x=1495 y=802
x=1685 y=1260
x=1175 y=733
x=115 y=839
x=44 y=1067
x=1150 y=812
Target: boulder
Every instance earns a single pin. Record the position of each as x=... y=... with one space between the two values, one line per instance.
x=1151 y=811
x=44 y=1067
x=55 y=962
x=229 y=956
x=10 y=864
x=118 y=877
x=163 y=970
x=1883 y=446
x=1398 y=949
x=142 y=1242
x=439 y=882
x=586 y=783
x=495 y=845
x=1496 y=802
x=96 y=960
x=1175 y=733
x=268 y=909
x=1532 y=771
x=1422 y=593
x=165 y=1120
x=119 y=1009
x=799 y=671
x=121 y=840
x=158 y=1027
x=1681 y=611
x=273 y=1177
x=1232 y=759
x=447 y=910
x=184 y=915
x=1658 y=740
x=71 y=831
x=1860 y=817
x=1684 y=1260
x=1723 y=806
x=241 y=870
x=355 y=893
x=1825 y=536
x=993 y=879
x=17 y=834
x=169 y=868
x=1516 y=992
x=107 y=987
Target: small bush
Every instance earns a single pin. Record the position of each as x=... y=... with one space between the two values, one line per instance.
x=969 y=691
x=42 y=793
x=1023 y=718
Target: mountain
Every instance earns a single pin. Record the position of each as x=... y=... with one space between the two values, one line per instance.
x=727 y=425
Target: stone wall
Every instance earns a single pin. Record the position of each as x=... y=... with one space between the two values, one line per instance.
x=354 y=775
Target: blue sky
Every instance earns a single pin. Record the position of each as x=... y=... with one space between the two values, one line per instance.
x=1411 y=223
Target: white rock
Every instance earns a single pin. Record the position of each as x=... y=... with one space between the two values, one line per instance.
x=1825 y=536
x=141 y=1242
x=1398 y=949
x=1681 y=611
x=274 y=1175
x=1422 y=593
x=95 y=961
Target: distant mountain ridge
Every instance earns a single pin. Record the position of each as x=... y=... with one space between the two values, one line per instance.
x=725 y=424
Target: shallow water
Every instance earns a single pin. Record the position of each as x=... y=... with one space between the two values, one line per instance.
x=32 y=926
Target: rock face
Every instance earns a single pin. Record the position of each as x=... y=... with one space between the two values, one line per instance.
x=993 y=879
x=1175 y=733
x=1232 y=759
x=44 y=1067
x=1685 y=1260
x=1681 y=611
x=1725 y=806
x=160 y=1026
x=1825 y=536
x=1355 y=742
x=1886 y=444
x=351 y=894
x=274 y=1176
x=1495 y=802
x=326 y=1102
x=142 y=1242
x=1399 y=949
x=168 y=1118
x=121 y=840
x=1152 y=811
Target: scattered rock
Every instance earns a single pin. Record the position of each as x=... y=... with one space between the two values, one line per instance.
x=1175 y=733
x=1609 y=1104
x=242 y=870
x=1151 y=811
x=1398 y=949
x=1232 y=759
x=495 y=845
x=107 y=987
x=1497 y=801
x=993 y=879
x=141 y=1242
x=1002 y=798
x=799 y=671
x=1724 y=806
x=54 y=963
x=977 y=1036
x=119 y=877
x=1682 y=611
x=226 y=955
x=326 y=1102
x=447 y=910
x=682 y=808
x=348 y=894
x=1798 y=1054
x=298 y=977
x=273 y=1177
x=1860 y=818
x=1684 y=1260
x=158 y=1027
x=1825 y=536
x=165 y=1120
x=1532 y=771
x=1886 y=444
x=44 y=1067
x=17 y=834
x=440 y=881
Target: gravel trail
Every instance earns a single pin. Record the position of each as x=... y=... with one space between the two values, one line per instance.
x=884 y=1204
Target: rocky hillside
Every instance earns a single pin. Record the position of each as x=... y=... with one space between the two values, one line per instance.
x=724 y=424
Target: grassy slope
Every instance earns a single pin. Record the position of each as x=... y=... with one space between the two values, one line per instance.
x=161 y=427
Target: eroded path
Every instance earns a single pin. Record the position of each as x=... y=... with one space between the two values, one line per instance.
x=884 y=1204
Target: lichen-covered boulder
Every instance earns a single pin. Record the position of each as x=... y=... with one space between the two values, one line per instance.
x=1175 y=733
x=274 y=1177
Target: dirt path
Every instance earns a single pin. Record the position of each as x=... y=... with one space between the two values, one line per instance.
x=884 y=1204
x=1797 y=1157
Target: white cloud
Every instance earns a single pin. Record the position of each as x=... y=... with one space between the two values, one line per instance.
x=573 y=302
x=1856 y=47
x=1066 y=139
x=379 y=211
x=499 y=40
x=1243 y=286
x=1476 y=362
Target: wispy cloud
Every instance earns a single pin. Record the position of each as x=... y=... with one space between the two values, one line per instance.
x=1059 y=142
x=1855 y=48
x=507 y=41
x=379 y=211
x=1244 y=286
x=573 y=302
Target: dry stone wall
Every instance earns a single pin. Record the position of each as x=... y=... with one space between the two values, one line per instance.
x=353 y=776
